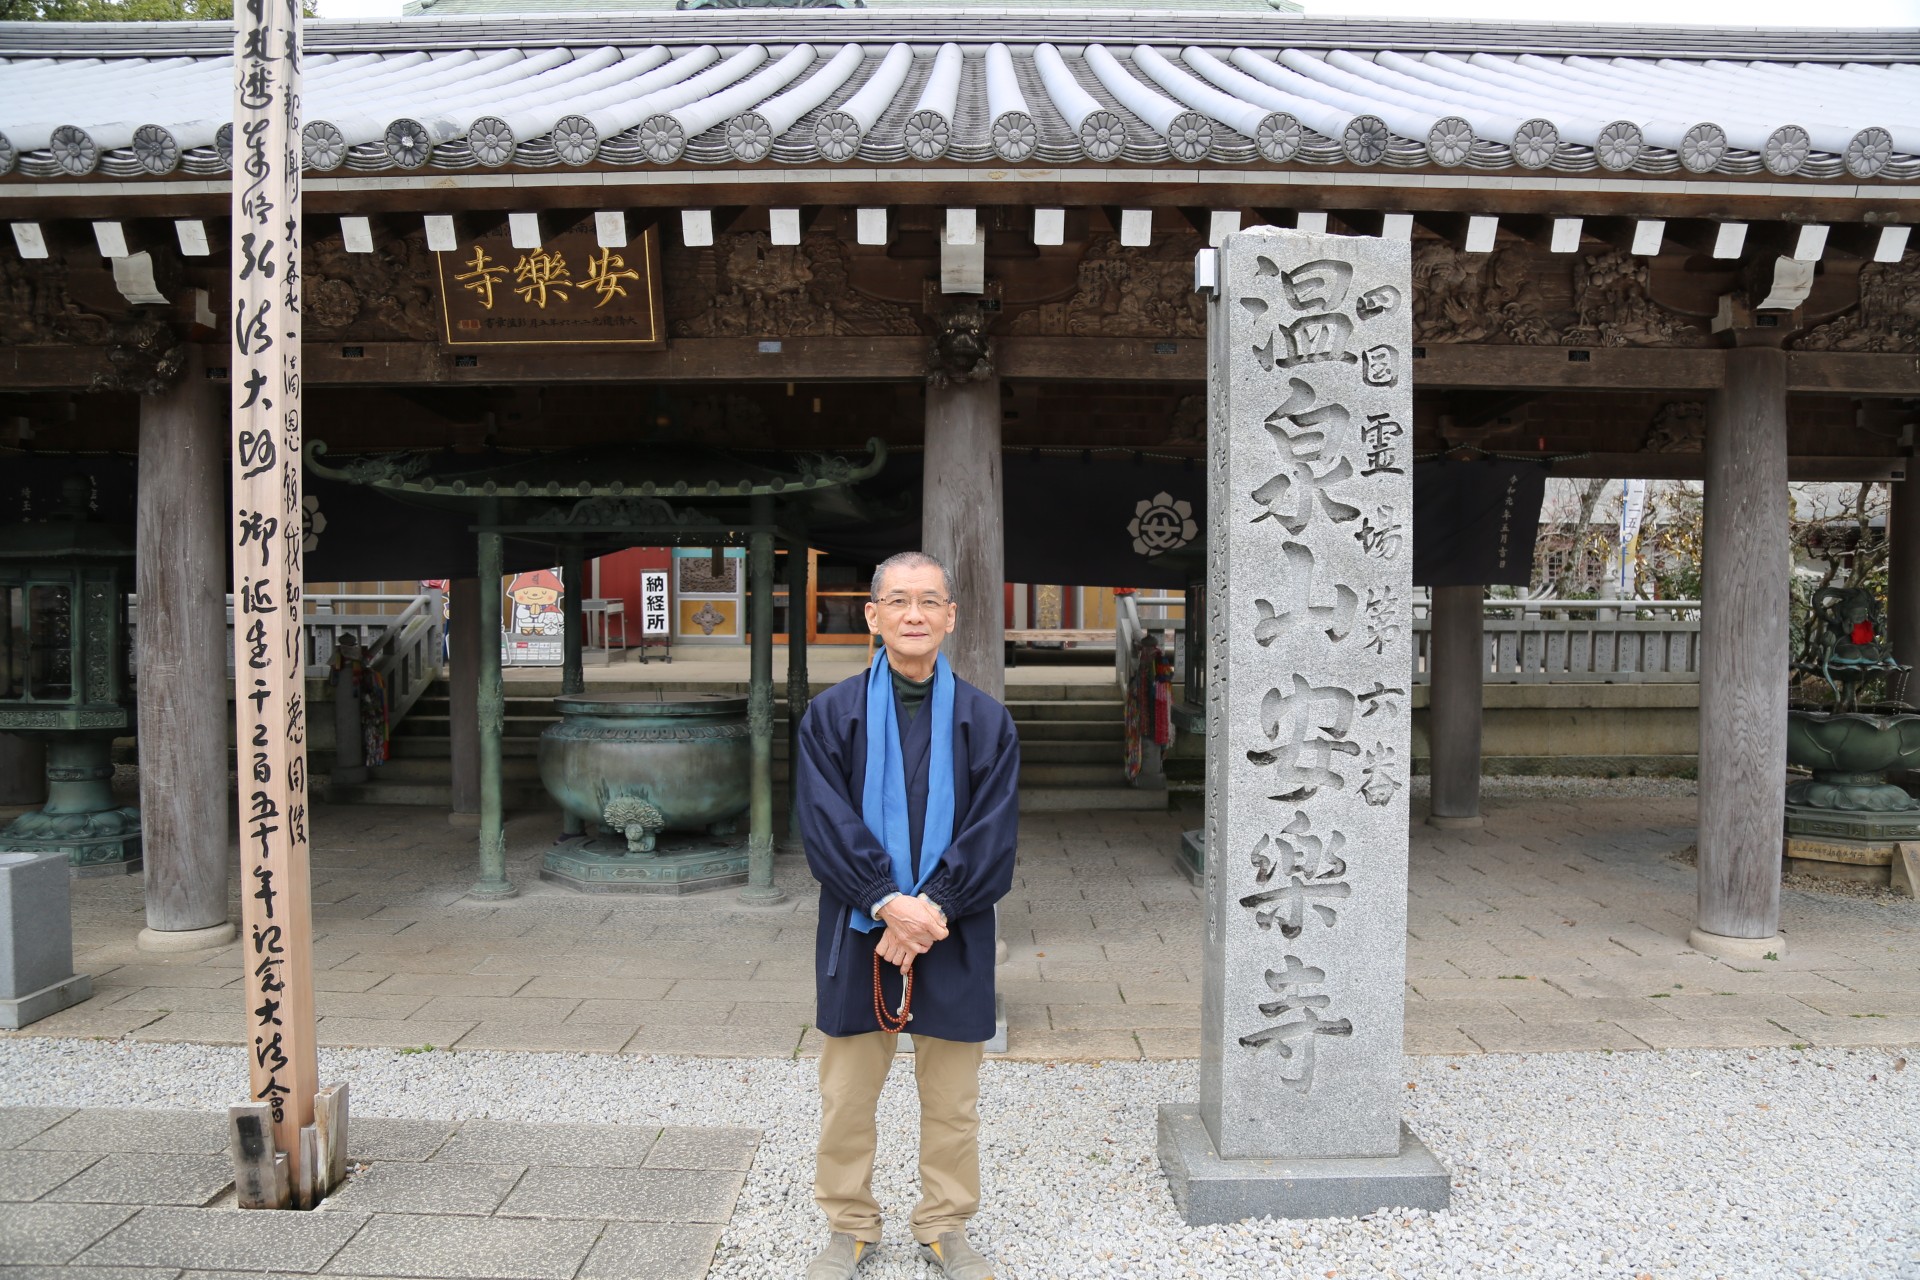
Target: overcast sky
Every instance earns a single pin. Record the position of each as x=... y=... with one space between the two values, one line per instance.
x=1731 y=13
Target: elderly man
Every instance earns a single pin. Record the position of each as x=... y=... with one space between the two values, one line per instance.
x=908 y=780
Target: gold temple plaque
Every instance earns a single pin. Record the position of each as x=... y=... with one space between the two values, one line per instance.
x=570 y=291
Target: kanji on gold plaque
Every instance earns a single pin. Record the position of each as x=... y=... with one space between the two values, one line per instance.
x=570 y=290
x=539 y=273
x=480 y=276
x=604 y=275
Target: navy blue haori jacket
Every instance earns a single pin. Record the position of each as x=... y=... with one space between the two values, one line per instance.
x=953 y=981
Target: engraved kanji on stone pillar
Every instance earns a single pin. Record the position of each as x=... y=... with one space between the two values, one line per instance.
x=1309 y=563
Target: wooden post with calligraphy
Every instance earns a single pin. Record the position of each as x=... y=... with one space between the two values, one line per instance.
x=267 y=528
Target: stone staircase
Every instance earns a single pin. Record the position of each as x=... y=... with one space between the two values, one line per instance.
x=1071 y=747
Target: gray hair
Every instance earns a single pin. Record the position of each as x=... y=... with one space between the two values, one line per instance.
x=909 y=560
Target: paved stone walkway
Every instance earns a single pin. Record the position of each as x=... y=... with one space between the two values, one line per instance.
x=99 y=1192
x=1562 y=926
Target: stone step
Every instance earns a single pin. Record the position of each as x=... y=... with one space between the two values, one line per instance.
x=1104 y=749
x=546 y=690
x=514 y=770
x=1106 y=774
x=1035 y=799
x=1041 y=799
x=1111 y=711
x=436 y=694
x=434 y=795
x=1108 y=734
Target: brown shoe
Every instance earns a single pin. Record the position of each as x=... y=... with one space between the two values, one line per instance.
x=957 y=1258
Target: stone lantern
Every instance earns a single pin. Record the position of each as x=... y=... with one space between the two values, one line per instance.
x=64 y=677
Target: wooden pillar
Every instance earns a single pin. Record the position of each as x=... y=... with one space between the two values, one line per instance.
x=1903 y=581
x=463 y=687
x=491 y=717
x=573 y=582
x=180 y=574
x=760 y=888
x=961 y=524
x=573 y=675
x=799 y=692
x=23 y=770
x=1744 y=658
x=1456 y=670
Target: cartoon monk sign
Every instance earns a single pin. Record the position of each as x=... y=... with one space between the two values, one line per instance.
x=536 y=603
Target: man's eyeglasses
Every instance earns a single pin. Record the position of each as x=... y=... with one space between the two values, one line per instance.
x=900 y=604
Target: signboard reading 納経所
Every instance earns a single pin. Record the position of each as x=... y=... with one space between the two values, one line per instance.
x=571 y=290
x=653 y=602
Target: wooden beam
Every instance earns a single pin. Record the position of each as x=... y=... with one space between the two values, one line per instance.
x=1858 y=373
x=1128 y=359
x=903 y=359
x=1758 y=200
x=1600 y=368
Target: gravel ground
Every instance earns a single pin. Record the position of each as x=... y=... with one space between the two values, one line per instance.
x=1733 y=1165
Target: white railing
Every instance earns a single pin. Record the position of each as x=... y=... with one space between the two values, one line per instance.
x=1556 y=641
x=327 y=620
x=408 y=655
x=404 y=637
x=1589 y=641
x=1130 y=628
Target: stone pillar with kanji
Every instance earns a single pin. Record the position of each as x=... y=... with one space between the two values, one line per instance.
x=1309 y=666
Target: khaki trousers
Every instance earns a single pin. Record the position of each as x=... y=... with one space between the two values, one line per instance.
x=852 y=1071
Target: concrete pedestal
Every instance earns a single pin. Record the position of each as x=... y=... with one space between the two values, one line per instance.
x=36 y=939
x=1208 y=1189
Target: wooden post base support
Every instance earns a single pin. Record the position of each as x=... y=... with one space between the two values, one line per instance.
x=218 y=935
x=264 y=1178
x=1724 y=948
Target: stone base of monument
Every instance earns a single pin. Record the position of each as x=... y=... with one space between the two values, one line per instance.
x=1837 y=858
x=1208 y=1189
x=1192 y=855
x=601 y=864
x=996 y=1045
x=36 y=939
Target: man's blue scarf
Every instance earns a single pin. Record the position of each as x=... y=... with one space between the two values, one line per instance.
x=883 y=800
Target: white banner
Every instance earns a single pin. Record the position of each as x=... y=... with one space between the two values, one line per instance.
x=1633 y=509
x=654 y=618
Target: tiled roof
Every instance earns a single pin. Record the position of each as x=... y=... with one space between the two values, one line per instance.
x=1059 y=87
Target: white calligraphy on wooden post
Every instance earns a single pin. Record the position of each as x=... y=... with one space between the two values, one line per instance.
x=269 y=666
